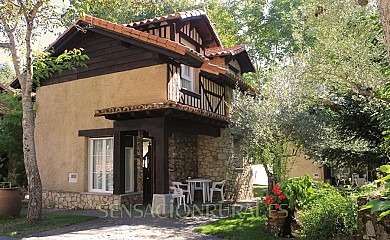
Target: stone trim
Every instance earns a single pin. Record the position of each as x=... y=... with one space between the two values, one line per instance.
x=87 y=200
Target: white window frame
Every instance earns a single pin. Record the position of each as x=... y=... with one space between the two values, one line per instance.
x=187 y=77
x=90 y=164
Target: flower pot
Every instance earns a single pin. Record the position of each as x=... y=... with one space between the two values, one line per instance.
x=276 y=219
x=10 y=202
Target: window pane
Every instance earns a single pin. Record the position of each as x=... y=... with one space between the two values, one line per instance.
x=109 y=182
x=98 y=147
x=110 y=147
x=97 y=181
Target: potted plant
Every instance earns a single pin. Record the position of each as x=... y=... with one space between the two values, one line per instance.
x=277 y=204
x=10 y=200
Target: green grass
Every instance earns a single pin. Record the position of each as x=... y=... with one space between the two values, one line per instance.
x=18 y=227
x=244 y=226
x=260 y=191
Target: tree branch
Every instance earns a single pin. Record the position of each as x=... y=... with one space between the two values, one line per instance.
x=5 y=45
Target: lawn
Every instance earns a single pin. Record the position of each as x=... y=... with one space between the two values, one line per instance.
x=260 y=191
x=248 y=225
x=17 y=227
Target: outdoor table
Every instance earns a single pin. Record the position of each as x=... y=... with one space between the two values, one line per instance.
x=205 y=187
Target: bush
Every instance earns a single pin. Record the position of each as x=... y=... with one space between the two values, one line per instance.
x=329 y=214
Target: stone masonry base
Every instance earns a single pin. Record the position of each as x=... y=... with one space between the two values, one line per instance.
x=77 y=200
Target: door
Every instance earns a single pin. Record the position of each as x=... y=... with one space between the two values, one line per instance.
x=147 y=174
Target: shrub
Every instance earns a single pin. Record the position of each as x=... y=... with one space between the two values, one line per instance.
x=329 y=214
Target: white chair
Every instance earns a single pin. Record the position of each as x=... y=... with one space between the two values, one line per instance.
x=179 y=195
x=186 y=189
x=217 y=187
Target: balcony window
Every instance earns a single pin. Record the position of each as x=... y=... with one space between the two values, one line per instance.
x=187 y=77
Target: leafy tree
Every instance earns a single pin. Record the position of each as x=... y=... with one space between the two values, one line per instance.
x=20 y=22
x=6 y=74
x=264 y=123
x=11 y=143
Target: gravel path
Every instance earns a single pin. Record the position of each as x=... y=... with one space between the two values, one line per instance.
x=135 y=227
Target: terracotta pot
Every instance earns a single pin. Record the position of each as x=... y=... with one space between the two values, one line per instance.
x=276 y=219
x=10 y=202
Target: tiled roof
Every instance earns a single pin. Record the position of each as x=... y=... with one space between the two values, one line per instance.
x=182 y=16
x=178 y=15
x=155 y=106
x=221 y=51
x=142 y=36
x=217 y=70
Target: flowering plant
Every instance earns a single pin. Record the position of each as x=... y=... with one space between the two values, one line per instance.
x=276 y=197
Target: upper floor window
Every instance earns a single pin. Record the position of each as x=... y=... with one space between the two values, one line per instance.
x=187 y=77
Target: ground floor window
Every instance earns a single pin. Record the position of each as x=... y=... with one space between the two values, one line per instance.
x=101 y=164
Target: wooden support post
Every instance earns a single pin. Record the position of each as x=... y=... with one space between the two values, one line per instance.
x=161 y=135
x=119 y=162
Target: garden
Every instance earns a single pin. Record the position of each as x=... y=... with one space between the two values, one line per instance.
x=309 y=209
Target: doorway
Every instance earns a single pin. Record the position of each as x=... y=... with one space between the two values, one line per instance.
x=148 y=170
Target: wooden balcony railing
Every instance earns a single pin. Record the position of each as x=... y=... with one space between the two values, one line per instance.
x=211 y=96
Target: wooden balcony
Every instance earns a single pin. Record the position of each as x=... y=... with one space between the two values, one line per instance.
x=211 y=96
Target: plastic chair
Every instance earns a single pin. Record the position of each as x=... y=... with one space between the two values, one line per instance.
x=217 y=187
x=186 y=189
x=178 y=194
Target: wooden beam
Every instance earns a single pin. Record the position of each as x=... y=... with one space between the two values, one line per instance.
x=192 y=128
x=103 y=132
x=162 y=161
x=119 y=162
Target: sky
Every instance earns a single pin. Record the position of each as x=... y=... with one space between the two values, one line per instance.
x=43 y=41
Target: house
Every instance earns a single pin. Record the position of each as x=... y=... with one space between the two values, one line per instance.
x=151 y=107
x=297 y=165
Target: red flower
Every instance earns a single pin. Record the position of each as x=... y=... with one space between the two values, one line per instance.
x=281 y=196
x=277 y=190
x=277 y=206
x=268 y=200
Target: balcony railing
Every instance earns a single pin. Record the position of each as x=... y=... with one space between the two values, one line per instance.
x=211 y=96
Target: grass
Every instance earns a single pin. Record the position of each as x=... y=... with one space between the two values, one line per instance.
x=260 y=191
x=248 y=225
x=18 y=227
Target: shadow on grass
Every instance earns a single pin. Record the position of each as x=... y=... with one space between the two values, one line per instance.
x=248 y=225
x=18 y=227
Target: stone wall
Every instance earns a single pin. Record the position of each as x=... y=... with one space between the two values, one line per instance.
x=212 y=157
x=217 y=162
x=368 y=226
x=75 y=200
x=182 y=157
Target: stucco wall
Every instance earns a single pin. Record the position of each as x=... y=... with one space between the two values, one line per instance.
x=301 y=165
x=64 y=109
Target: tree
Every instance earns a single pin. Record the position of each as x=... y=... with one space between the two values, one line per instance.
x=11 y=143
x=264 y=123
x=20 y=23
x=6 y=74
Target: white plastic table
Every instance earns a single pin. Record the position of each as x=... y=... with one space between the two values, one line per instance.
x=205 y=183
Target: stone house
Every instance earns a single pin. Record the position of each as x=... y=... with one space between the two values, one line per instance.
x=151 y=107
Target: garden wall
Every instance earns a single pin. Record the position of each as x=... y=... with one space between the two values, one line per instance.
x=368 y=226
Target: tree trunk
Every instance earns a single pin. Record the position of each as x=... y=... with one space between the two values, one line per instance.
x=384 y=12
x=30 y=159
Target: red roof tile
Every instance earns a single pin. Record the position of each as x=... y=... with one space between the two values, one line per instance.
x=179 y=15
x=142 y=36
x=221 y=51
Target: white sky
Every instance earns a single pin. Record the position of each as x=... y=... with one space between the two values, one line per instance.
x=43 y=41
